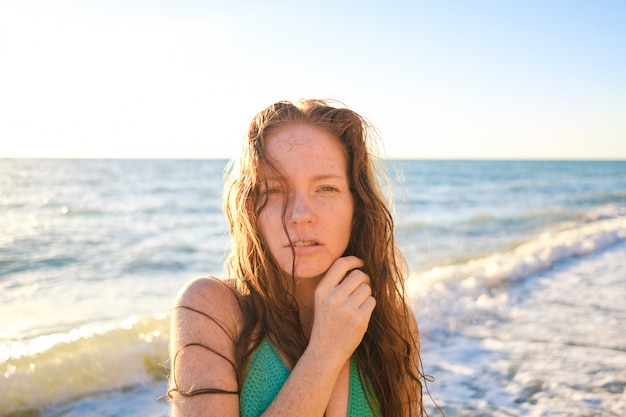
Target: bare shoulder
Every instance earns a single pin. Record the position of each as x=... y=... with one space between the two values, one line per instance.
x=206 y=291
x=211 y=299
x=206 y=322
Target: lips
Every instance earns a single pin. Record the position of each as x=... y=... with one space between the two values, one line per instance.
x=303 y=243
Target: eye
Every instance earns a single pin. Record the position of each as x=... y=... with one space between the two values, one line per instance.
x=328 y=188
x=273 y=189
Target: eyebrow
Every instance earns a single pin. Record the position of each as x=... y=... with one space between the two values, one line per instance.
x=329 y=176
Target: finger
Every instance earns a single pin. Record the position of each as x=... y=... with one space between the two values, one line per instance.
x=368 y=306
x=356 y=277
x=359 y=296
x=363 y=307
x=338 y=271
x=351 y=282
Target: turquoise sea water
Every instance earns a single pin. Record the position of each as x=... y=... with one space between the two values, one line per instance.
x=518 y=281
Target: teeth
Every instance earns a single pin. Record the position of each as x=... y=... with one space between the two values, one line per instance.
x=305 y=243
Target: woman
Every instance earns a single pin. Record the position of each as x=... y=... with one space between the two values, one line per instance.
x=313 y=320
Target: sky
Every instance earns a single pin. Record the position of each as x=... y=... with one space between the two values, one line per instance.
x=533 y=79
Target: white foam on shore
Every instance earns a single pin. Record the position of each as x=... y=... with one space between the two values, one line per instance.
x=472 y=284
x=56 y=368
x=550 y=345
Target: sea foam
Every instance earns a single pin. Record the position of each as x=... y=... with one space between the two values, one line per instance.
x=470 y=285
x=62 y=366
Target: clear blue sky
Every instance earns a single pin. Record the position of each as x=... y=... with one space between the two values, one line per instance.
x=439 y=79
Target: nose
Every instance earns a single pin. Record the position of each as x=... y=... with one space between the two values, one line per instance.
x=300 y=209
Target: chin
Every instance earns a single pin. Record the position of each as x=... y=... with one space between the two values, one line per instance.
x=309 y=268
x=302 y=272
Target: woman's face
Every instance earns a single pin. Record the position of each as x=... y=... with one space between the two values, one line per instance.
x=319 y=204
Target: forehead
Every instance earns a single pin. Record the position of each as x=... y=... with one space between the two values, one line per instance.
x=304 y=145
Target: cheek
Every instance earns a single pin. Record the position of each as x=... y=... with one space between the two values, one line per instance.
x=347 y=219
x=270 y=225
x=350 y=212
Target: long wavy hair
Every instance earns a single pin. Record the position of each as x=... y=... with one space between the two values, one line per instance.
x=388 y=355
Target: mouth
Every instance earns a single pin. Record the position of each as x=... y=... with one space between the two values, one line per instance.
x=303 y=243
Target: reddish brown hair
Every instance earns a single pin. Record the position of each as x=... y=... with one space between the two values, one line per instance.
x=389 y=353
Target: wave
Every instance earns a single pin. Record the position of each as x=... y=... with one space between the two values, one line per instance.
x=454 y=294
x=59 y=367
x=56 y=368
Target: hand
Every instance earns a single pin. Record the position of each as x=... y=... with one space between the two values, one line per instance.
x=343 y=308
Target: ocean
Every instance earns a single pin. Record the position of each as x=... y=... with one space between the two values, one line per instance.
x=517 y=279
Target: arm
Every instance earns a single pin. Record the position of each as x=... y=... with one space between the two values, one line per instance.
x=343 y=307
x=202 y=350
x=342 y=311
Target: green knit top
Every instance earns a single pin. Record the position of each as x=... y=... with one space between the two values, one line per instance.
x=266 y=373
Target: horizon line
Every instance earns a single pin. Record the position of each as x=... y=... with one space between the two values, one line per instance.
x=224 y=158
